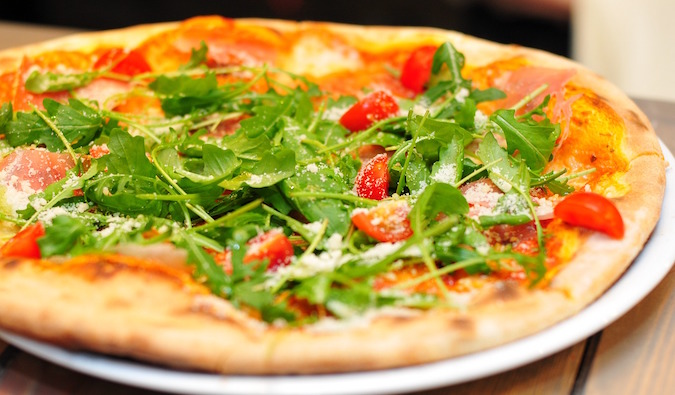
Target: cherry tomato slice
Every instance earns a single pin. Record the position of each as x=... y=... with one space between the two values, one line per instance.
x=417 y=69
x=386 y=222
x=24 y=244
x=123 y=61
x=272 y=245
x=372 y=181
x=592 y=211
x=372 y=108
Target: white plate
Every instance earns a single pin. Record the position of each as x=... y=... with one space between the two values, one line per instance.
x=644 y=274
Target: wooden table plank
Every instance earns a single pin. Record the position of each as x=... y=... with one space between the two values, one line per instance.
x=17 y=34
x=636 y=354
x=29 y=375
x=552 y=375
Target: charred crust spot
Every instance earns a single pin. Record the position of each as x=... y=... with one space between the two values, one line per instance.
x=400 y=319
x=102 y=267
x=633 y=118
x=506 y=290
x=462 y=323
x=11 y=263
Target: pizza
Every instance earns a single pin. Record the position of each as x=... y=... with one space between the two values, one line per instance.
x=272 y=197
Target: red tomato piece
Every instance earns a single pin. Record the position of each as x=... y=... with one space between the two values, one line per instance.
x=24 y=244
x=417 y=69
x=592 y=211
x=372 y=108
x=97 y=151
x=272 y=245
x=122 y=61
x=386 y=222
x=372 y=182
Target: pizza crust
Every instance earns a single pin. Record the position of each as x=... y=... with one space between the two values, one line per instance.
x=140 y=309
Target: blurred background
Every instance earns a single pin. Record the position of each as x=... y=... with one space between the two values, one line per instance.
x=630 y=42
x=508 y=21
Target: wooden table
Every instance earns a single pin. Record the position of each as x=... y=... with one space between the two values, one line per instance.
x=634 y=355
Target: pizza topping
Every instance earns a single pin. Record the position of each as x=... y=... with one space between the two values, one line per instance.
x=122 y=61
x=592 y=211
x=372 y=182
x=33 y=169
x=374 y=107
x=272 y=245
x=24 y=244
x=248 y=163
x=417 y=69
x=388 y=221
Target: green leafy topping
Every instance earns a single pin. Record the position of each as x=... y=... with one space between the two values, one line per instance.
x=228 y=163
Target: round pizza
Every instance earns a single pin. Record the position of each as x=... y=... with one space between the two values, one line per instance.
x=273 y=197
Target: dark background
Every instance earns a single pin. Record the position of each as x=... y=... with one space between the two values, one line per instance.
x=501 y=22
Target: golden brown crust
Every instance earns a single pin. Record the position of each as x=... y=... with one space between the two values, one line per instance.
x=129 y=307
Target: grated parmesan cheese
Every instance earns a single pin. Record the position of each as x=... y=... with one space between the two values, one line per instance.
x=447 y=173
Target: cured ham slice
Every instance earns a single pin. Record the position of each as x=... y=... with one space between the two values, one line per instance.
x=33 y=169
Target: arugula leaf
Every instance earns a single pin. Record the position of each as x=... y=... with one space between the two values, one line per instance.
x=127 y=155
x=450 y=163
x=293 y=134
x=219 y=163
x=183 y=94
x=51 y=82
x=436 y=199
x=205 y=266
x=433 y=135
x=315 y=289
x=535 y=141
x=62 y=235
x=79 y=123
x=118 y=193
x=272 y=168
x=6 y=113
x=488 y=94
x=323 y=180
x=469 y=167
x=266 y=120
x=197 y=57
x=453 y=60
x=417 y=175
x=504 y=173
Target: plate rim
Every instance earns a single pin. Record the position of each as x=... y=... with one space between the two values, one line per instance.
x=658 y=253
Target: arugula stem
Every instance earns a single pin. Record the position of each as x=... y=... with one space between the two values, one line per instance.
x=435 y=230
x=61 y=195
x=170 y=198
x=195 y=209
x=338 y=196
x=362 y=136
x=317 y=118
x=577 y=175
x=433 y=270
x=57 y=131
x=475 y=172
x=441 y=271
x=411 y=148
x=232 y=214
x=317 y=239
x=7 y=218
x=143 y=128
x=529 y=97
x=297 y=226
x=540 y=230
